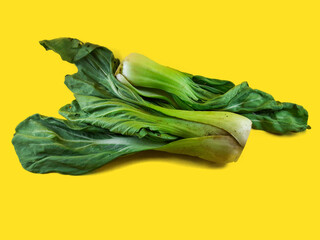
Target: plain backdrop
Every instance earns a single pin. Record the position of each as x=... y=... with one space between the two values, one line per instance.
x=272 y=192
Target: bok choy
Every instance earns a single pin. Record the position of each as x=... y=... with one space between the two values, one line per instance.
x=192 y=92
x=137 y=105
x=45 y=144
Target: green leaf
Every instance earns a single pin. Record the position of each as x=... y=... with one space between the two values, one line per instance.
x=45 y=144
x=73 y=51
x=129 y=119
x=117 y=117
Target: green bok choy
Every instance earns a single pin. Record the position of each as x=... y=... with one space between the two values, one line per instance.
x=109 y=119
x=137 y=105
x=46 y=144
x=191 y=92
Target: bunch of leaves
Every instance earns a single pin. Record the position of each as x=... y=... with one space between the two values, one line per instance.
x=109 y=119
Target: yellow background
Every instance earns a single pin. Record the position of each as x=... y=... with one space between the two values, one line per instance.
x=272 y=192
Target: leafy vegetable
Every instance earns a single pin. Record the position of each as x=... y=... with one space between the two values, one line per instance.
x=95 y=77
x=199 y=93
x=140 y=105
x=109 y=119
x=46 y=144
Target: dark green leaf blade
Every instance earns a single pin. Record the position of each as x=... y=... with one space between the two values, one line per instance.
x=261 y=108
x=45 y=144
x=70 y=49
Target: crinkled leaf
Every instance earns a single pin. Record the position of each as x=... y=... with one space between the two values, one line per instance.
x=45 y=144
